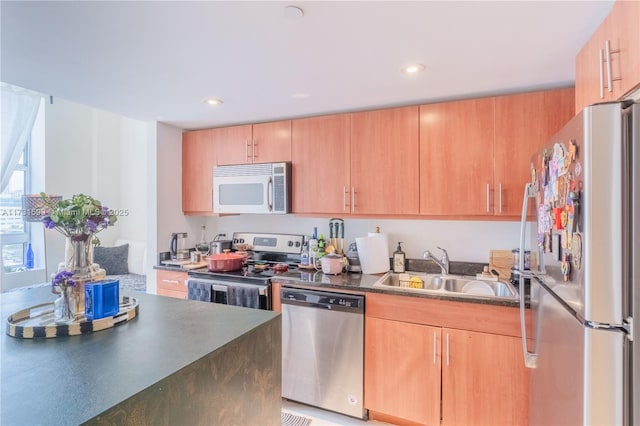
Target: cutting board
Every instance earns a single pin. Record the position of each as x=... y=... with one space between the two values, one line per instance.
x=501 y=261
x=194 y=265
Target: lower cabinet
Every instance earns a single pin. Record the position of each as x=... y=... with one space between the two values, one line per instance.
x=402 y=382
x=172 y=284
x=419 y=370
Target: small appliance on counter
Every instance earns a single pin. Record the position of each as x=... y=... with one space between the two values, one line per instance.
x=353 y=259
x=178 y=246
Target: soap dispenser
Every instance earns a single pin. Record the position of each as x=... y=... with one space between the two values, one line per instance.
x=399 y=260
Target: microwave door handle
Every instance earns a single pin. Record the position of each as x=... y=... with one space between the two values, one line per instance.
x=270 y=194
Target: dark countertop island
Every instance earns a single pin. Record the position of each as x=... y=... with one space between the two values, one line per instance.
x=177 y=362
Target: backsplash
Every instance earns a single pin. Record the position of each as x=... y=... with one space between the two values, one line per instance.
x=465 y=241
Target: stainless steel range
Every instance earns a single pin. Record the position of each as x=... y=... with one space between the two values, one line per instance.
x=250 y=286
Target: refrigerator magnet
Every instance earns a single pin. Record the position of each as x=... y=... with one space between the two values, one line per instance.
x=565 y=266
x=555 y=247
x=576 y=249
x=573 y=150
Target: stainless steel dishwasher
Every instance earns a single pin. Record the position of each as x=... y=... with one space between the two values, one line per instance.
x=323 y=350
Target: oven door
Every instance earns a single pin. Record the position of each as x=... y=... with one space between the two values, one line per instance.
x=243 y=194
x=236 y=293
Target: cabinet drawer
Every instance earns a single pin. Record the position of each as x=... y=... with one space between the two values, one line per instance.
x=172 y=283
x=470 y=316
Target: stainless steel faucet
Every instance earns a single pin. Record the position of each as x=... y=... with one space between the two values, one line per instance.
x=443 y=263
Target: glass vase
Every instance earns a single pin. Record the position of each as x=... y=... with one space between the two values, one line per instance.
x=79 y=260
x=65 y=306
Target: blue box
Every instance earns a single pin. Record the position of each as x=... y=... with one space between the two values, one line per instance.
x=101 y=299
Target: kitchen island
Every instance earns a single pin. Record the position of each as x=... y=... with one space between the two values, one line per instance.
x=177 y=362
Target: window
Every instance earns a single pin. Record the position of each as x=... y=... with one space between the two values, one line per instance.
x=14 y=231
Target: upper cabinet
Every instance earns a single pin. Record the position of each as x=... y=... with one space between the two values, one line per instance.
x=385 y=162
x=257 y=143
x=456 y=157
x=475 y=154
x=608 y=66
x=198 y=160
x=321 y=164
x=524 y=123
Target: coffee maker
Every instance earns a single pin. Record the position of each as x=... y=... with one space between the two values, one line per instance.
x=178 y=246
x=353 y=259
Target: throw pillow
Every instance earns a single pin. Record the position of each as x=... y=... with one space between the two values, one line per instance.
x=114 y=260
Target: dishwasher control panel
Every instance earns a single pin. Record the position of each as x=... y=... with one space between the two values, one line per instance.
x=322 y=299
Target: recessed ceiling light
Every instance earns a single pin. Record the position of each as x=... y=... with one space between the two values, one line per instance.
x=293 y=12
x=413 y=69
x=300 y=95
x=212 y=101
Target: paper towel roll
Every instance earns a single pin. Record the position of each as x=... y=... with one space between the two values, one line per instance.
x=373 y=252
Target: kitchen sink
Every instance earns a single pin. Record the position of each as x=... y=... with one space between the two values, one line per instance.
x=450 y=285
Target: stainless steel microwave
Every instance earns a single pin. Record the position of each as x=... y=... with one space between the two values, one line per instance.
x=252 y=188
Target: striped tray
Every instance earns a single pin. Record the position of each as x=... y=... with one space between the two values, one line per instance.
x=38 y=322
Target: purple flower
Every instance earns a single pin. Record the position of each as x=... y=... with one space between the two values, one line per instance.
x=90 y=225
x=48 y=222
x=63 y=279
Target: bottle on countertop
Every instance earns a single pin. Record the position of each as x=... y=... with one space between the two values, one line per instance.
x=203 y=245
x=399 y=259
x=313 y=248
x=30 y=260
x=304 y=256
x=321 y=246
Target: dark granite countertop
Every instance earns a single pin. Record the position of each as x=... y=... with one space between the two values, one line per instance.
x=364 y=282
x=70 y=380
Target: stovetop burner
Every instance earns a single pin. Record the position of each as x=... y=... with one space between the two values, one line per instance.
x=263 y=249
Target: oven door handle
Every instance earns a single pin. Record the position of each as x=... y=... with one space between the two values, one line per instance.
x=217 y=286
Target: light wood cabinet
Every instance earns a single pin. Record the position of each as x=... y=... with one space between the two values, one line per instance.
x=233 y=144
x=399 y=382
x=276 y=304
x=254 y=143
x=172 y=283
x=320 y=155
x=456 y=157
x=198 y=160
x=385 y=161
x=608 y=66
x=524 y=123
x=434 y=362
x=481 y=375
x=475 y=154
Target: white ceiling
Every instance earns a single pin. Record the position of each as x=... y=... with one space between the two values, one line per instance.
x=158 y=60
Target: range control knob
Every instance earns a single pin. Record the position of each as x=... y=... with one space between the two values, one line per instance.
x=290 y=243
x=297 y=243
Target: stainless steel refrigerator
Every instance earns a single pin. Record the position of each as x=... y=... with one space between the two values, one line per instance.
x=583 y=286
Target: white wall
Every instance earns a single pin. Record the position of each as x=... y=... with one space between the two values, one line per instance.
x=101 y=154
x=464 y=240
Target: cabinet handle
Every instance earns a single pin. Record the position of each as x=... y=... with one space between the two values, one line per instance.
x=488 y=201
x=353 y=199
x=601 y=65
x=345 y=192
x=253 y=151
x=607 y=58
x=171 y=281
x=500 y=198
x=246 y=149
x=435 y=347
x=447 y=349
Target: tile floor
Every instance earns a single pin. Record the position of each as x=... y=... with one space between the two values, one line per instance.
x=321 y=417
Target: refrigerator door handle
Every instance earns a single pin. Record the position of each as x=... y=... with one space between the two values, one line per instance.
x=529 y=357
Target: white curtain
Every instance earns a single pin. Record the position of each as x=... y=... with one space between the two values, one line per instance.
x=18 y=112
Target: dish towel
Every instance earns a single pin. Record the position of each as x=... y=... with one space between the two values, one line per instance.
x=247 y=297
x=199 y=290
